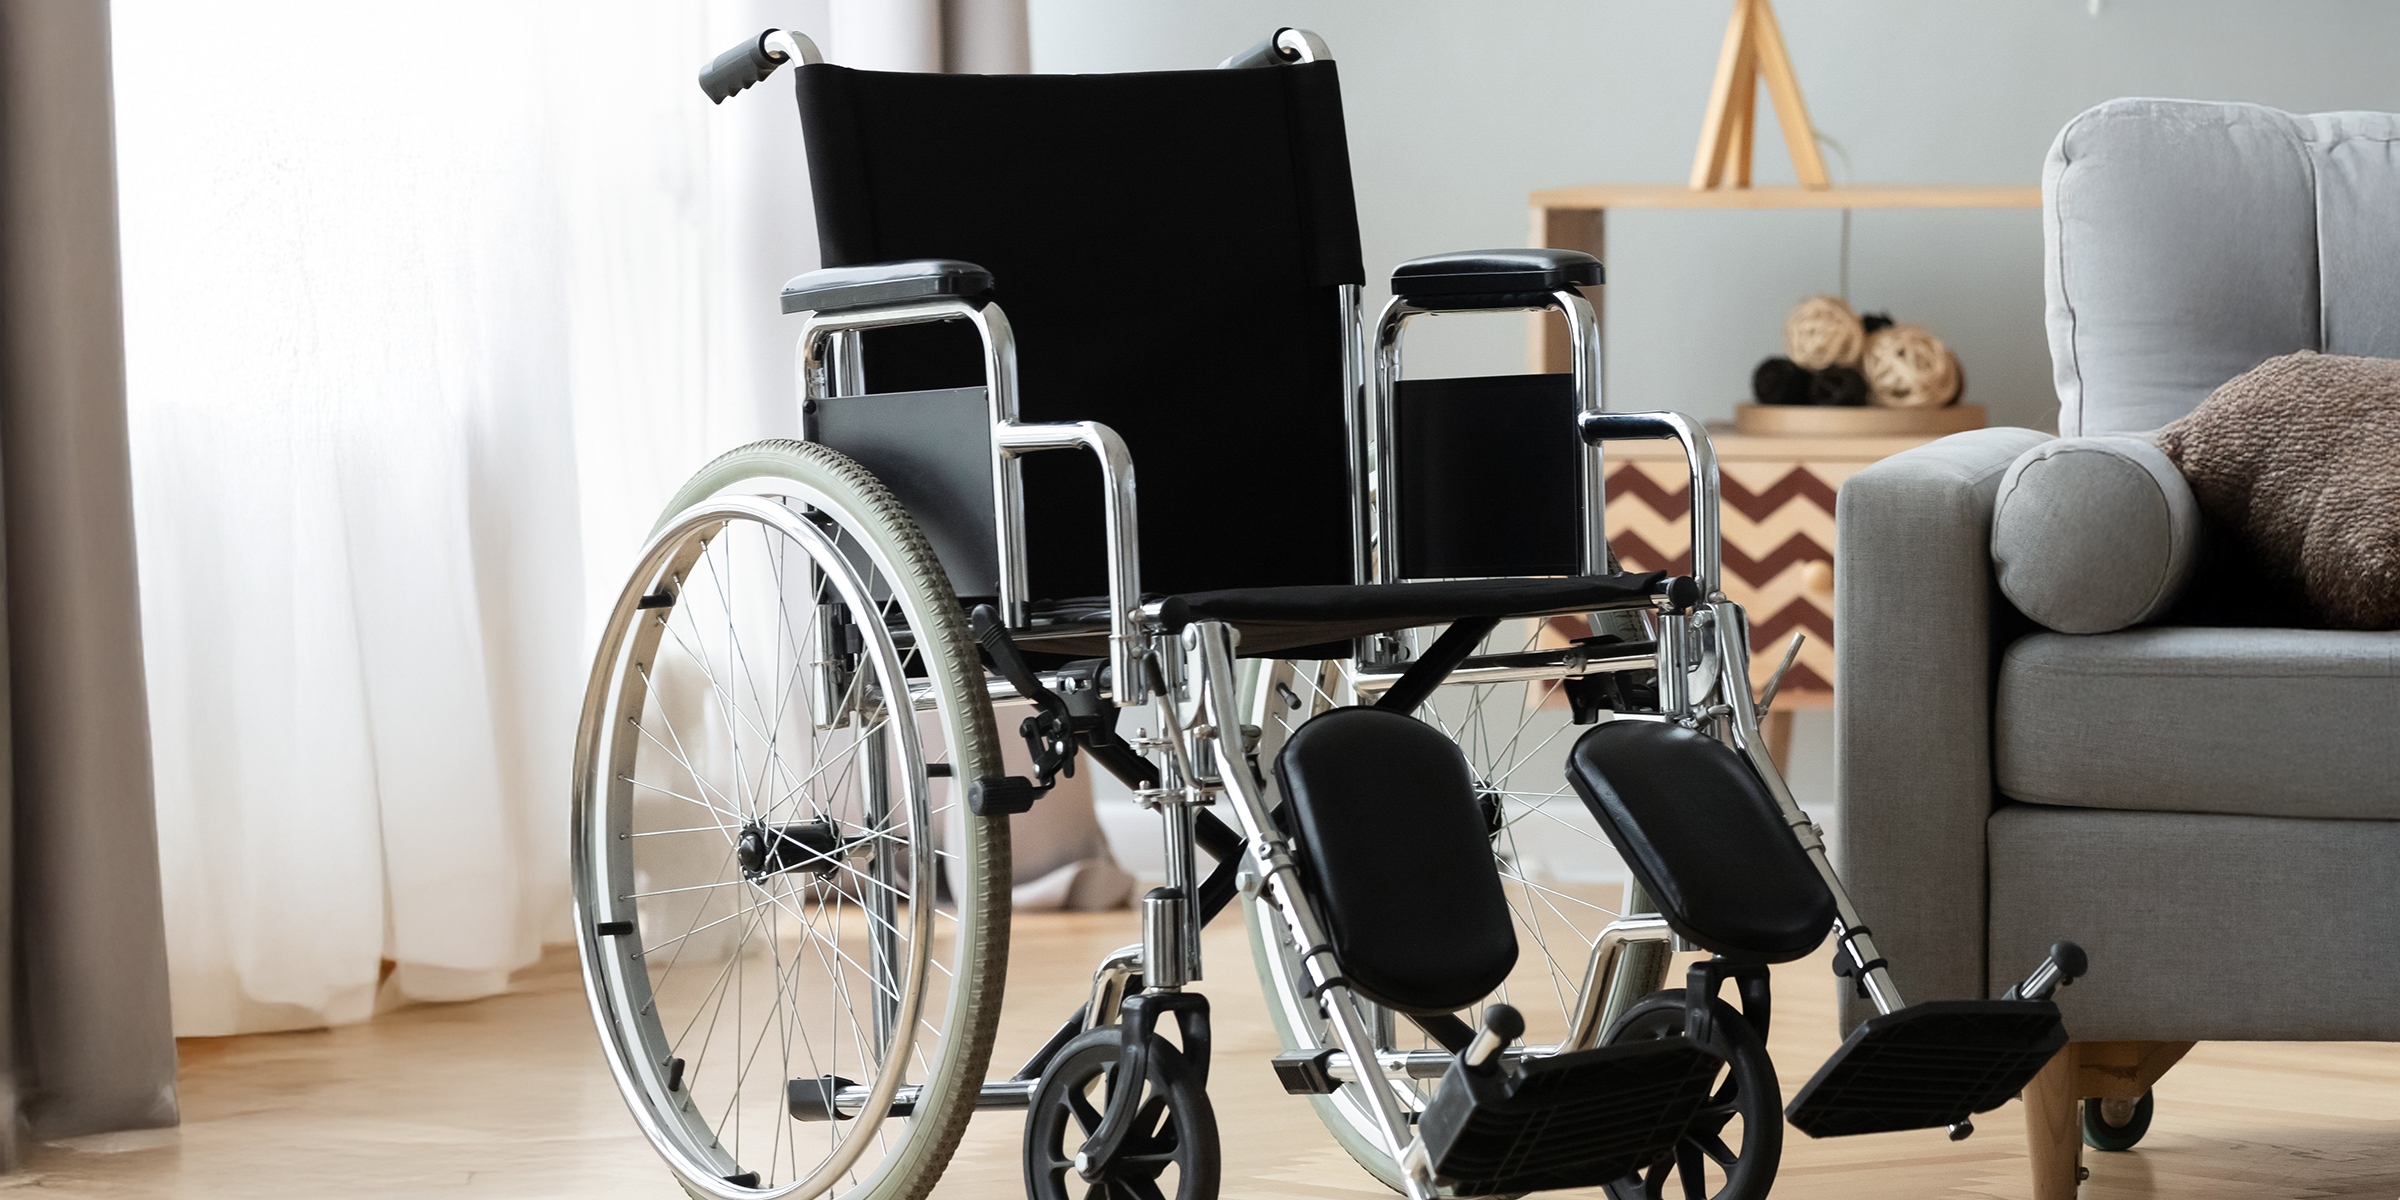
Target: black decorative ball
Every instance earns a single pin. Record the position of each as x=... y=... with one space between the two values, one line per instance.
x=1779 y=380
x=1875 y=321
x=1839 y=387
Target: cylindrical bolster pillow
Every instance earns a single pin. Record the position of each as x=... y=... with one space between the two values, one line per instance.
x=2094 y=534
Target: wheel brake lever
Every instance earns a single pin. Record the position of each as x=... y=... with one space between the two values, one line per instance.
x=1766 y=696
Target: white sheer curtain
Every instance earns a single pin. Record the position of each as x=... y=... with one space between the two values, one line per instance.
x=428 y=310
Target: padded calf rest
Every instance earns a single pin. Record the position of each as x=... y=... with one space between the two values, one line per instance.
x=1395 y=852
x=1705 y=839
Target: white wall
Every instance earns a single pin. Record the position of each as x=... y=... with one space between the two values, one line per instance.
x=1456 y=111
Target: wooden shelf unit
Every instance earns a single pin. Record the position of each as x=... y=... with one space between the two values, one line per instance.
x=1576 y=218
x=1597 y=196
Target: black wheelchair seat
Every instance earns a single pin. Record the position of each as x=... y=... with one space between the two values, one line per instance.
x=1284 y=620
x=1335 y=610
x=1702 y=835
x=1396 y=854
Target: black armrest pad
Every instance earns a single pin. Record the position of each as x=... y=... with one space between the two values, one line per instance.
x=1493 y=278
x=836 y=288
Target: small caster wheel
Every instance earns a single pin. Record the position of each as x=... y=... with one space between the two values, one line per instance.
x=2115 y=1124
x=1735 y=1144
x=1172 y=1151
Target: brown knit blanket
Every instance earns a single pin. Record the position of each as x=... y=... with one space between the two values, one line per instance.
x=2298 y=459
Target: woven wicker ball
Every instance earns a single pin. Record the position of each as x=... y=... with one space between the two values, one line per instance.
x=1822 y=333
x=1909 y=368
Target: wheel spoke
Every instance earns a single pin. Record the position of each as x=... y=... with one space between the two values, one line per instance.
x=1087 y=1117
x=723 y=740
x=1715 y=1147
x=1695 y=1176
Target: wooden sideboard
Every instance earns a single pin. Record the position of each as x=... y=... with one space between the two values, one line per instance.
x=1776 y=517
x=1777 y=512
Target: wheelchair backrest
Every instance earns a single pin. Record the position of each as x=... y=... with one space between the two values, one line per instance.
x=1169 y=248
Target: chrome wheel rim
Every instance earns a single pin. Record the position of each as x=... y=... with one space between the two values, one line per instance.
x=756 y=859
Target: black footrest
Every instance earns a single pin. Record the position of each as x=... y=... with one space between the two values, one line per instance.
x=1567 y=1120
x=1928 y=1065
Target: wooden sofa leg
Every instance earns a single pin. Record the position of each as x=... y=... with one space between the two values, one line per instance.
x=2123 y=1070
x=2054 y=1128
x=2053 y=1102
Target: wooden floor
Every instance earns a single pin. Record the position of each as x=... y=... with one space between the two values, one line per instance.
x=508 y=1097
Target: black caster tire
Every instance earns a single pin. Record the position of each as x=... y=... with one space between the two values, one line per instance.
x=1173 y=1151
x=1706 y=1163
x=2100 y=1135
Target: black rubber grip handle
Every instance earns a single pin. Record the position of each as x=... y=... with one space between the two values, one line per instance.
x=738 y=68
x=2072 y=961
x=1505 y=1022
x=984 y=620
x=1501 y=1025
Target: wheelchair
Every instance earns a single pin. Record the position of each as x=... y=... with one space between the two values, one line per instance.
x=1370 y=627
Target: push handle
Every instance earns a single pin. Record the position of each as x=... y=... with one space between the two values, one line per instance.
x=2066 y=964
x=754 y=60
x=738 y=68
x=1284 y=46
x=1264 y=54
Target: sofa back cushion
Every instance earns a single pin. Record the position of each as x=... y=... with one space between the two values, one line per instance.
x=2187 y=241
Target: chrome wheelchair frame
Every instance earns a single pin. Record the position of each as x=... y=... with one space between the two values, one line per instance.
x=1701 y=658
x=1213 y=748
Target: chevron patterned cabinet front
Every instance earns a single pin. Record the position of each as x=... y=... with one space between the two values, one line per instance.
x=1776 y=516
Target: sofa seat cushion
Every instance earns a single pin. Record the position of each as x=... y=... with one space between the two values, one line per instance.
x=2261 y=722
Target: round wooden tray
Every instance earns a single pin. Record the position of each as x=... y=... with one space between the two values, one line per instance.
x=1810 y=421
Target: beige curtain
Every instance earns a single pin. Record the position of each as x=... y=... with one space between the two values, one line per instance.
x=968 y=37
x=986 y=37
x=91 y=1046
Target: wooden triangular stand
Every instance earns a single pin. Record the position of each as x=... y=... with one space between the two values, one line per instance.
x=1754 y=49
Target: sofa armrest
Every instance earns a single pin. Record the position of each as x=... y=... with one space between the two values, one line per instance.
x=1916 y=608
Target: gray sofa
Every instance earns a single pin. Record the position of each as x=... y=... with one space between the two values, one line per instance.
x=2214 y=813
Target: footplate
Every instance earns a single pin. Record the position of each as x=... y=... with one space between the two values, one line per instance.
x=1928 y=1065
x=1568 y=1120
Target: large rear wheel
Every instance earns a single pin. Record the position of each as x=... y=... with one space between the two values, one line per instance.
x=793 y=933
